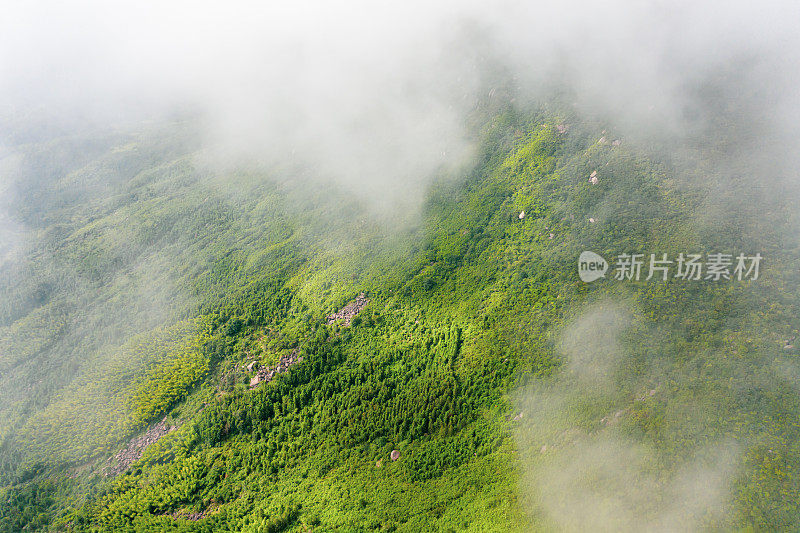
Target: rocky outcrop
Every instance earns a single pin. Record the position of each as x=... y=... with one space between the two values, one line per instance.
x=349 y=311
x=185 y=514
x=133 y=451
x=266 y=374
x=193 y=516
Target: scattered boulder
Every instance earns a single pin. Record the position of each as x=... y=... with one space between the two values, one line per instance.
x=521 y=215
x=136 y=446
x=266 y=374
x=349 y=311
x=196 y=515
x=183 y=514
x=395 y=455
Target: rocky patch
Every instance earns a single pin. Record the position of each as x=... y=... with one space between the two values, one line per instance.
x=349 y=311
x=133 y=451
x=265 y=374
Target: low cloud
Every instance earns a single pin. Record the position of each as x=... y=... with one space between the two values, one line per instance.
x=375 y=96
x=584 y=467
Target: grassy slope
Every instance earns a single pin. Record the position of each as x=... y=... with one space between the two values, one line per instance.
x=465 y=309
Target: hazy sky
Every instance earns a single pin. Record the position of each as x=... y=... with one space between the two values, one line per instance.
x=375 y=95
x=369 y=88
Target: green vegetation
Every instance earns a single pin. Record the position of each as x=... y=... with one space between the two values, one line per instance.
x=108 y=402
x=179 y=277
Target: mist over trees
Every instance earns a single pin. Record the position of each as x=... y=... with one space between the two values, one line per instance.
x=191 y=195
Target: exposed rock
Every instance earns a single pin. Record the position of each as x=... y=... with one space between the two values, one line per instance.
x=562 y=128
x=349 y=311
x=194 y=516
x=133 y=451
x=266 y=374
x=183 y=514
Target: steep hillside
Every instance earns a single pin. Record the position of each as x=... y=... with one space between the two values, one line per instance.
x=482 y=387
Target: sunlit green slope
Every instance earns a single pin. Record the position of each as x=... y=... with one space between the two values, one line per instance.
x=465 y=361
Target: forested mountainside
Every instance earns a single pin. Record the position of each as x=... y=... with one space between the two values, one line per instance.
x=475 y=383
